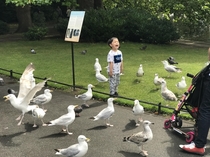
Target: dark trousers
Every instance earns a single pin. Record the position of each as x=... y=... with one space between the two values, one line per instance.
x=203 y=121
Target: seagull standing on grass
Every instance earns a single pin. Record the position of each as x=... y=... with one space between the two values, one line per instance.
x=157 y=80
x=43 y=98
x=171 y=60
x=65 y=120
x=76 y=150
x=106 y=113
x=140 y=72
x=87 y=95
x=166 y=93
x=97 y=65
x=100 y=77
x=170 y=68
x=182 y=84
x=26 y=93
x=138 y=110
x=142 y=137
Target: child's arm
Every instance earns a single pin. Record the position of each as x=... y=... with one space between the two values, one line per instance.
x=121 y=67
x=110 y=69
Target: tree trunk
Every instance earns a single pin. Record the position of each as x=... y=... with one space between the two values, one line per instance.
x=24 y=18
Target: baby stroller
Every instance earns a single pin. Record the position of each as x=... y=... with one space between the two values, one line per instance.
x=189 y=102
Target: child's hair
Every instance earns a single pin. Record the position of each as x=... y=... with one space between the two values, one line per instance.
x=110 y=40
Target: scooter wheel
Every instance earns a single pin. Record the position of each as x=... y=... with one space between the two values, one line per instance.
x=191 y=135
x=167 y=124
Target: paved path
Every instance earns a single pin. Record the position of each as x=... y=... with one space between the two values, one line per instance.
x=26 y=141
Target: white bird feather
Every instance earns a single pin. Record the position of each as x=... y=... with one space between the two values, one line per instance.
x=97 y=65
x=138 y=110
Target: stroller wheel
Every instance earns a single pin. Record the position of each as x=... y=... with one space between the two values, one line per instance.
x=191 y=136
x=167 y=124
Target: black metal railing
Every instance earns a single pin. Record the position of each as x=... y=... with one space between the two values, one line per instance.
x=159 y=106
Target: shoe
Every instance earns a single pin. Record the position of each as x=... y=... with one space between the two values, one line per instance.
x=191 y=148
x=114 y=95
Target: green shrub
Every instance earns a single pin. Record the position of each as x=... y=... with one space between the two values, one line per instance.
x=62 y=26
x=36 y=33
x=4 y=28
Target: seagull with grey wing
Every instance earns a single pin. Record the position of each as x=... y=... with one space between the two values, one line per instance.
x=86 y=96
x=167 y=94
x=27 y=90
x=170 y=68
x=43 y=98
x=138 y=111
x=106 y=113
x=76 y=150
x=100 y=77
x=142 y=137
x=157 y=80
x=65 y=120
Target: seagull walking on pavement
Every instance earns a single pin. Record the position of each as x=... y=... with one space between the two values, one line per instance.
x=97 y=65
x=106 y=113
x=166 y=93
x=1 y=81
x=38 y=113
x=86 y=96
x=27 y=90
x=170 y=68
x=65 y=120
x=142 y=137
x=138 y=111
x=43 y=98
x=76 y=150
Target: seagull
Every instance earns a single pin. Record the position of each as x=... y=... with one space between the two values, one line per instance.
x=142 y=137
x=166 y=93
x=1 y=81
x=106 y=113
x=78 y=110
x=140 y=72
x=33 y=51
x=65 y=120
x=182 y=84
x=43 y=98
x=171 y=61
x=157 y=80
x=76 y=150
x=170 y=68
x=97 y=65
x=87 y=95
x=38 y=113
x=138 y=110
x=26 y=93
x=100 y=77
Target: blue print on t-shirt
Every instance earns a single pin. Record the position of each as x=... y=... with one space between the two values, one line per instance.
x=117 y=58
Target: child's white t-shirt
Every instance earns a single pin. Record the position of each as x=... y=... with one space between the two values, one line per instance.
x=115 y=57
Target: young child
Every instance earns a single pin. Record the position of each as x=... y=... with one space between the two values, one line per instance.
x=115 y=65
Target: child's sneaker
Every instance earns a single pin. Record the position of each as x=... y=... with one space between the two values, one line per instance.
x=191 y=148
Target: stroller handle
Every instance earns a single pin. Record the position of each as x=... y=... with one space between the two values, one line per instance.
x=190 y=75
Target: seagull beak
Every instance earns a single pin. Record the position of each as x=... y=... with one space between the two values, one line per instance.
x=6 y=98
x=115 y=98
x=51 y=90
x=76 y=106
x=87 y=139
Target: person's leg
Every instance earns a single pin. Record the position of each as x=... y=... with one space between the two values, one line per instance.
x=203 y=123
x=112 y=85
x=117 y=82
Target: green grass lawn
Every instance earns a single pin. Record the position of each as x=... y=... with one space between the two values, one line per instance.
x=54 y=59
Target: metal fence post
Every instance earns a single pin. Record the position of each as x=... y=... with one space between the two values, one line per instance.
x=11 y=73
x=159 y=108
